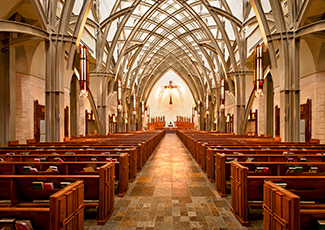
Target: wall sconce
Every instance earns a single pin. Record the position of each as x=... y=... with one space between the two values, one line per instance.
x=134 y=104
x=84 y=71
x=258 y=71
x=142 y=108
x=198 y=109
x=207 y=103
x=222 y=94
x=119 y=95
x=228 y=117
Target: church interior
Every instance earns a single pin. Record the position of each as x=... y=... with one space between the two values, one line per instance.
x=162 y=114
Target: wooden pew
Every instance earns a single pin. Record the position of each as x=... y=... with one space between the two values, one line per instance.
x=99 y=189
x=247 y=191
x=79 y=155
x=211 y=153
x=144 y=142
x=283 y=210
x=71 y=168
x=222 y=167
x=65 y=209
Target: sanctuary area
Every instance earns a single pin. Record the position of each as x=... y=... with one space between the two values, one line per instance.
x=162 y=114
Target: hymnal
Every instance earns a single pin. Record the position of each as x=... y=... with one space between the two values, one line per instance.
x=8 y=224
x=38 y=184
x=27 y=168
x=24 y=225
x=249 y=159
x=34 y=170
x=291 y=169
x=58 y=159
x=43 y=159
x=37 y=159
x=321 y=224
x=289 y=159
x=48 y=185
x=313 y=170
x=265 y=169
x=65 y=184
x=89 y=169
x=282 y=185
x=259 y=169
x=298 y=169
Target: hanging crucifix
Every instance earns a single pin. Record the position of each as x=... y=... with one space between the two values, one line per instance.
x=170 y=86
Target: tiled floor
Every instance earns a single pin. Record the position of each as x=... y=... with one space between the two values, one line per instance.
x=171 y=192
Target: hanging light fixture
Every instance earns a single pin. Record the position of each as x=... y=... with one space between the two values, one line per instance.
x=258 y=71
x=207 y=103
x=84 y=71
x=119 y=95
x=170 y=99
x=222 y=94
x=198 y=109
x=134 y=104
x=142 y=108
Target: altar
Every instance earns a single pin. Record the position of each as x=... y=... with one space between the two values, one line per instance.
x=170 y=129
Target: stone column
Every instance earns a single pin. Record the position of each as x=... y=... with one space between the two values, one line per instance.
x=7 y=91
x=54 y=91
x=289 y=89
x=239 y=104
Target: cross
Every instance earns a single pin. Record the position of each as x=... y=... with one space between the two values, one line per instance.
x=170 y=86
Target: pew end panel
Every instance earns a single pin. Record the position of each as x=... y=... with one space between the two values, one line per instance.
x=67 y=207
x=220 y=174
x=64 y=210
x=210 y=165
x=139 y=157
x=106 y=192
x=239 y=192
x=133 y=163
x=281 y=208
x=122 y=171
x=204 y=158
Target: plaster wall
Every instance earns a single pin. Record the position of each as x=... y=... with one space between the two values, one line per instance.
x=182 y=100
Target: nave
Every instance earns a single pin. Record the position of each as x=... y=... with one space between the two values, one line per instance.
x=172 y=192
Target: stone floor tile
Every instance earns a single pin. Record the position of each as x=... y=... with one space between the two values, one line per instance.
x=171 y=192
x=163 y=226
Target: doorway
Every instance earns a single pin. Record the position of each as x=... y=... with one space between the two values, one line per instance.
x=39 y=122
x=305 y=121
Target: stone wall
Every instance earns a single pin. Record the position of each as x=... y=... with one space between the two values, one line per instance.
x=28 y=89
x=312 y=87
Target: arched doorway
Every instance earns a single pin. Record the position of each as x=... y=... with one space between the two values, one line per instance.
x=269 y=103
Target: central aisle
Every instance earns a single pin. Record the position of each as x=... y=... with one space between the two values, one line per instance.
x=171 y=192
